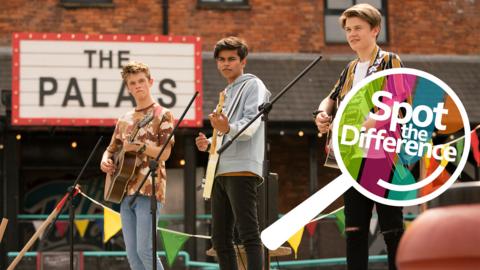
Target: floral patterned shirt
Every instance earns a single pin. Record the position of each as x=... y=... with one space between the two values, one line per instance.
x=155 y=133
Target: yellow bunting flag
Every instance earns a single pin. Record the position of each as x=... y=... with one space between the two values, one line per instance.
x=111 y=224
x=81 y=225
x=295 y=240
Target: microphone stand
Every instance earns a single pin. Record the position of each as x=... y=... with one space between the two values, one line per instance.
x=264 y=110
x=153 y=165
x=72 y=191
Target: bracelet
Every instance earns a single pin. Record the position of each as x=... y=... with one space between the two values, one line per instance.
x=142 y=149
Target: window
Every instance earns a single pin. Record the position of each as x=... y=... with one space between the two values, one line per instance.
x=223 y=4
x=86 y=3
x=334 y=8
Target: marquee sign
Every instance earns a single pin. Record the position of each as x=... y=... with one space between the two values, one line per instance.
x=74 y=79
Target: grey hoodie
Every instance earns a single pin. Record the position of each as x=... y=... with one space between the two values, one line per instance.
x=246 y=152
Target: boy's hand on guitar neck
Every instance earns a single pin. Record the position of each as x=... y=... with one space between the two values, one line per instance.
x=323 y=122
x=219 y=121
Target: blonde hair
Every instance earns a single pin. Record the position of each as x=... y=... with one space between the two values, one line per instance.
x=133 y=68
x=365 y=12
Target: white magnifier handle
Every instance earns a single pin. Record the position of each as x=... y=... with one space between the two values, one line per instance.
x=281 y=230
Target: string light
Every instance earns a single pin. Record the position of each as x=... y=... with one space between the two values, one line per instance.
x=282 y=132
x=182 y=162
x=319 y=135
x=300 y=133
x=74 y=144
x=18 y=137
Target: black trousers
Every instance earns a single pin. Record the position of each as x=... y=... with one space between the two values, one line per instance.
x=358 y=212
x=234 y=203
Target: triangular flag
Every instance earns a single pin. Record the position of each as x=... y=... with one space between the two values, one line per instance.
x=373 y=225
x=162 y=224
x=295 y=240
x=459 y=145
x=61 y=227
x=112 y=224
x=311 y=227
x=172 y=242
x=475 y=149
x=37 y=224
x=340 y=215
x=81 y=225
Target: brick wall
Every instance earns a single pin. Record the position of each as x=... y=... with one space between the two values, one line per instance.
x=415 y=26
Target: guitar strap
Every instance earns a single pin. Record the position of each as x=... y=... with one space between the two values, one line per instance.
x=236 y=100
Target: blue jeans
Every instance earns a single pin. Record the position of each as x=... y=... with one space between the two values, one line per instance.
x=137 y=232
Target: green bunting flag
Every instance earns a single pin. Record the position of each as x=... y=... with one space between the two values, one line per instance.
x=340 y=215
x=460 y=144
x=172 y=243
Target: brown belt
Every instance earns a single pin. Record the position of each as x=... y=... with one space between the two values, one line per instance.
x=238 y=174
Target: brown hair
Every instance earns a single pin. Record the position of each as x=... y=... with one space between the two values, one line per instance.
x=133 y=68
x=365 y=12
x=231 y=43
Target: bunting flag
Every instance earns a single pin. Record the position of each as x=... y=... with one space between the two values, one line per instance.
x=112 y=223
x=311 y=228
x=475 y=146
x=172 y=242
x=340 y=215
x=81 y=225
x=459 y=145
x=295 y=240
x=373 y=225
x=61 y=227
x=36 y=225
x=439 y=181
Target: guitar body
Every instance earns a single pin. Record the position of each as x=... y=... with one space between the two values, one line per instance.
x=211 y=169
x=214 y=156
x=125 y=165
x=116 y=184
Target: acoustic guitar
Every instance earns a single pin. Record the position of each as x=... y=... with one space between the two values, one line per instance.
x=125 y=166
x=213 y=157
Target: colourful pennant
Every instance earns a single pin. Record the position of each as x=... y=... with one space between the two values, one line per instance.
x=82 y=225
x=295 y=240
x=112 y=224
x=172 y=242
x=340 y=215
x=311 y=227
x=61 y=227
x=475 y=147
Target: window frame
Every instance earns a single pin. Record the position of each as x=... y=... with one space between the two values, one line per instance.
x=334 y=11
x=222 y=4
x=87 y=3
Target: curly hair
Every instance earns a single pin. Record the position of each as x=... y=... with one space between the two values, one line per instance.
x=133 y=68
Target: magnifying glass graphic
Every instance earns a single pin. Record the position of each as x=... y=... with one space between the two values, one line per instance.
x=382 y=130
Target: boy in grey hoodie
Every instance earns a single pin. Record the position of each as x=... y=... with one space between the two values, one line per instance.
x=239 y=170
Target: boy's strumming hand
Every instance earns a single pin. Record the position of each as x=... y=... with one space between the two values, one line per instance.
x=219 y=122
x=323 y=122
x=201 y=142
